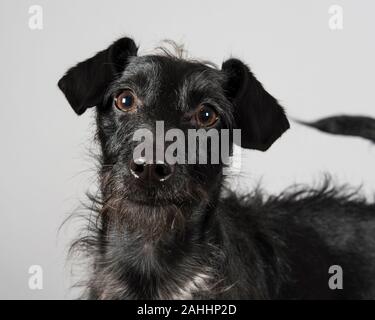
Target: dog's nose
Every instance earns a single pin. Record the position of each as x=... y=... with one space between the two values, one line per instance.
x=151 y=172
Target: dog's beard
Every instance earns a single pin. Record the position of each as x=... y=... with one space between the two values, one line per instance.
x=152 y=220
x=149 y=222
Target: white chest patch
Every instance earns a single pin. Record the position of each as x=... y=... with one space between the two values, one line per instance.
x=200 y=282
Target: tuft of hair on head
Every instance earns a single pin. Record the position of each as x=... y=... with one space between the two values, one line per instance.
x=174 y=50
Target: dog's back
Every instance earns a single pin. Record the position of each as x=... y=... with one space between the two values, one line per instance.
x=296 y=242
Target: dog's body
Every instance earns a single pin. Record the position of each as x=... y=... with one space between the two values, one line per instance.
x=249 y=248
x=166 y=231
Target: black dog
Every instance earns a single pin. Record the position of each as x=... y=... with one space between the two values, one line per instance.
x=167 y=231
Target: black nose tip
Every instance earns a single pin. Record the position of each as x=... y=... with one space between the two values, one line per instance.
x=151 y=172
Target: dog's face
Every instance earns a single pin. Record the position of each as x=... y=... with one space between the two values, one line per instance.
x=133 y=93
x=178 y=95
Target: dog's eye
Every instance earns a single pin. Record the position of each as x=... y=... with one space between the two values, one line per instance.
x=206 y=116
x=126 y=101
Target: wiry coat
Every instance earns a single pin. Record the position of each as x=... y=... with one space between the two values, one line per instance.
x=190 y=237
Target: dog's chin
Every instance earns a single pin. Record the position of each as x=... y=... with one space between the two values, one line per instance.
x=153 y=219
x=154 y=213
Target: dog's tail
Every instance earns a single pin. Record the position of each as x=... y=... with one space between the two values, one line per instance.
x=358 y=126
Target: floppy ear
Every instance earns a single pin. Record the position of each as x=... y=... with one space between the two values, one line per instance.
x=259 y=116
x=84 y=85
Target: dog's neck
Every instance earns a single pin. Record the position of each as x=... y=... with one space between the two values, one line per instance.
x=175 y=258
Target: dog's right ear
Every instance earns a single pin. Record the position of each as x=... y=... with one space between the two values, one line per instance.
x=85 y=84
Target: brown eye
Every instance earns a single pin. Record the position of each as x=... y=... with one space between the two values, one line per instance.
x=206 y=116
x=126 y=101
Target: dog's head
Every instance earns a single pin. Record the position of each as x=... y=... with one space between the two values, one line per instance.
x=133 y=93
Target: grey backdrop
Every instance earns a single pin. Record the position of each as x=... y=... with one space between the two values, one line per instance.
x=44 y=165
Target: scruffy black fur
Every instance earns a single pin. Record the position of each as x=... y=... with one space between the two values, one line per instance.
x=189 y=236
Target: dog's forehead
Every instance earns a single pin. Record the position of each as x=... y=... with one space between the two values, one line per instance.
x=170 y=70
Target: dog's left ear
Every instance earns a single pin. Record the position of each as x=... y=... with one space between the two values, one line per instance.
x=259 y=116
x=85 y=84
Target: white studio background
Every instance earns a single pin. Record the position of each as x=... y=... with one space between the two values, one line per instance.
x=44 y=167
